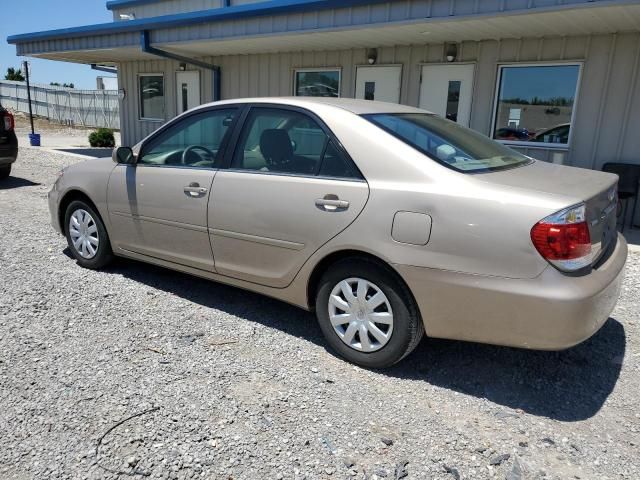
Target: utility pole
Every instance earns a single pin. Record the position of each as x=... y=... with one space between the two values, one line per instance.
x=26 y=74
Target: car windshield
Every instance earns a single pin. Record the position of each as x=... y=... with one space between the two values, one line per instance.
x=447 y=142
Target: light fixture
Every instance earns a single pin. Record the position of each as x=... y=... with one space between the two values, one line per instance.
x=183 y=67
x=122 y=94
x=372 y=56
x=451 y=50
x=127 y=16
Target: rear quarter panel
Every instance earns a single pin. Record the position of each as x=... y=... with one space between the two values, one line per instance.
x=477 y=227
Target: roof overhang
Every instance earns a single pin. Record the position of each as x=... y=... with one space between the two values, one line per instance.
x=571 y=20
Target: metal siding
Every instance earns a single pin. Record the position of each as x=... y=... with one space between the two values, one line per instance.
x=608 y=94
x=168 y=7
x=378 y=13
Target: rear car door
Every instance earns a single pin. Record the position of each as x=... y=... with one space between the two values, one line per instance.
x=158 y=207
x=290 y=188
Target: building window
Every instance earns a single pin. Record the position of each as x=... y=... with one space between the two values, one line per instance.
x=317 y=83
x=535 y=103
x=151 y=90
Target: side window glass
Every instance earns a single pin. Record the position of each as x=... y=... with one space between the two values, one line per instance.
x=280 y=141
x=335 y=165
x=194 y=142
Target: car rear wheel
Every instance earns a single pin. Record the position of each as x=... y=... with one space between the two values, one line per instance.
x=5 y=171
x=367 y=314
x=87 y=236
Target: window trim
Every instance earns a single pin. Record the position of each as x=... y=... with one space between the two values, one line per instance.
x=164 y=97
x=496 y=99
x=224 y=145
x=316 y=69
x=241 y=124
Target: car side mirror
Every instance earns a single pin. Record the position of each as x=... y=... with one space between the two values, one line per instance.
x=124 y=155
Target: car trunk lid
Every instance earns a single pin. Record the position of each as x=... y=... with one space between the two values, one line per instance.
x=596 y=189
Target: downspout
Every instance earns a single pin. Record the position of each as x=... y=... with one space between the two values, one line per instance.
x=145 y=45
x=100 y=68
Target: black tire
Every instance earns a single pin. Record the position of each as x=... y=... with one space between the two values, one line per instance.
x=5 y=171
x=104 y=254
x=408 y=329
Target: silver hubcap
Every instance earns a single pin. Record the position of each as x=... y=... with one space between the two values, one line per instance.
x=84 y=234
x=361 y=314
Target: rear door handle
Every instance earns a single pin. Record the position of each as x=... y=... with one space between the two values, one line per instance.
x=195 y=190
x=332 y=204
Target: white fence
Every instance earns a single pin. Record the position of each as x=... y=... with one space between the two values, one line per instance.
x=87 y=108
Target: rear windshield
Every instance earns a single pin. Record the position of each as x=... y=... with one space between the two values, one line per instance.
x=447 y=142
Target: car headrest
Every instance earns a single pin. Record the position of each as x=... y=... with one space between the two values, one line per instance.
x=275 y=146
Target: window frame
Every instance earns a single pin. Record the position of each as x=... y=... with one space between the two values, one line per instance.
x=241 y=124
x=429 y=155
x=164 y=97
x=316 y=69
x=496 y=101
x=224 y=144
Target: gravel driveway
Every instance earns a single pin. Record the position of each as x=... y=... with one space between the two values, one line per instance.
x=141 y=372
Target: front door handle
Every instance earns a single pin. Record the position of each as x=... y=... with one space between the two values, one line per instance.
x=331 y=203
x=195 y=190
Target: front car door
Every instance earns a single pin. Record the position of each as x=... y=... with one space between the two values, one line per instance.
x=289 y=189
x=158 y=207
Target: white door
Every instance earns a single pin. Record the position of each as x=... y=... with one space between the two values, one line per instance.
x=188 y=91
x=379 y=83
x=446 y=91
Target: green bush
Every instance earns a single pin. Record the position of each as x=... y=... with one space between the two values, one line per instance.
x=103 y=137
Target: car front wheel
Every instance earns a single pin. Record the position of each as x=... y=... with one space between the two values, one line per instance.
x=87 y=236
x=367 y=314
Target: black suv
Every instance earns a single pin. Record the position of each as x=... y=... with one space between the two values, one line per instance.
x=8 y=143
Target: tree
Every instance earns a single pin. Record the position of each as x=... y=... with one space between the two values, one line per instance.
x=15 y=75
x=66 y=85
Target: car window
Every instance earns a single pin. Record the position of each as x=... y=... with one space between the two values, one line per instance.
x=449 y=143
x=335 y=165
x=194 y=142
x=280 y=141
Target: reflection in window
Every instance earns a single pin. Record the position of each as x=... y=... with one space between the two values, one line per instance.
x=192 y=142
x=453 y=100
x=535 y=103
x=369 y=90
x=151 y=97
x=317 y=83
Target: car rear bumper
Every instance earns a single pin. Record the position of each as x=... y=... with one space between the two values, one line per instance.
x=8 y=154
x=553 y=311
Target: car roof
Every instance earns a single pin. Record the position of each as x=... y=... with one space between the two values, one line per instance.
x=356 y=106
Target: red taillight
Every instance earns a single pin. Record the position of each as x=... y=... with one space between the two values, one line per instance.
x=563 y=239
x=9 y=123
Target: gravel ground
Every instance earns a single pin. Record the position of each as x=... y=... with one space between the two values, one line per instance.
x=141 y=372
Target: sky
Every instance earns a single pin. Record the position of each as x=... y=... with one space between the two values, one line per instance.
x=26 y=16
x=541 y=82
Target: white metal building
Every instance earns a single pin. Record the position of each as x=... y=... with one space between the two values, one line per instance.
x=557 y=79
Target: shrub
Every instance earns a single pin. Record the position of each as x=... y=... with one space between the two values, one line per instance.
x=103 y=137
